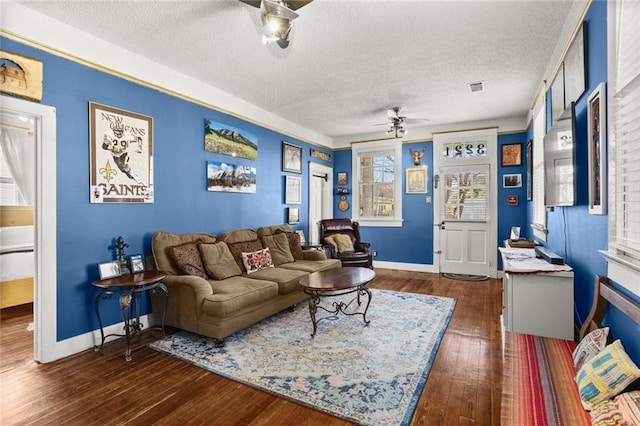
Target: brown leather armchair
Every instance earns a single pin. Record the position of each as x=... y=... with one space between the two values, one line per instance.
x=359 y=257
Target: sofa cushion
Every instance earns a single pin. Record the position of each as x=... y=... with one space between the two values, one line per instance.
x=163 y=240
x=273 y=229
x=287 y=279
x=279 y=248
x=218 y=261
x=238 y=235
x=243 y=246
x=312 y=265
x=605 y=375
x=589 y=346
x=236 y=294
x=256 y=260
x=294 y=244
x=186 y=257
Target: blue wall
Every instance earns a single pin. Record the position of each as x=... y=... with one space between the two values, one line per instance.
x=573 y=232
x=182 y=203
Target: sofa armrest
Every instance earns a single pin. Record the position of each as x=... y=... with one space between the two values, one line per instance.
x=330 y=250
x=199 y=286
x=314 y=255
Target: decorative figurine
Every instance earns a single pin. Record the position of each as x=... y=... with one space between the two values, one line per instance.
x=120 y=246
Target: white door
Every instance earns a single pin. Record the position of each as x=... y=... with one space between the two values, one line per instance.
x=40 y=120
x=320 y=198
x=465 y=213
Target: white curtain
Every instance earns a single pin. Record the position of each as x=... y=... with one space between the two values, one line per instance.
x=20 y=155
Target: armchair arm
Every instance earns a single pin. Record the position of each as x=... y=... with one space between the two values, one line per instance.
x=363 y=247
x=331 y=251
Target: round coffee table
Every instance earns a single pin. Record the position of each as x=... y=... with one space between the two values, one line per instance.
x=337 y=282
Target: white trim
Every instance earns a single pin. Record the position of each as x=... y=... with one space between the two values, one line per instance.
x=623 y=271
x=356 y=149
x=327 y=196
x=415 y=267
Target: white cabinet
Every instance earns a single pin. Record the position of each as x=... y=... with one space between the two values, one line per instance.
x=537 y=302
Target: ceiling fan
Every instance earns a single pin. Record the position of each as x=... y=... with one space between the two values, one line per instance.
x=277 y=17
x=396 y=122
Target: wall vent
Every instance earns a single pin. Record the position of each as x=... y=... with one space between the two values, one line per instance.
x=476 y=87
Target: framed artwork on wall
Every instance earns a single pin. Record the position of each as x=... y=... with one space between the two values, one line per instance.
x=293 y=215
x=512 y=154
x=291 y=158
x=512 y=181
x=557 y=95
x=315 y=153
x=575 y=76
x=227 y=177
x=530 y=170
x=120 y=155
x=343 y=178
x=293 y=190
x=596 y=139
x=416 y=180
x=228 y=140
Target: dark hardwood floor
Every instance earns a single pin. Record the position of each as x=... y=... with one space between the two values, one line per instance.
x=463 y=387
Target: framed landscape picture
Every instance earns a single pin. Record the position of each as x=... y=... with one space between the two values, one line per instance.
x=227 y=177
x=228 y=140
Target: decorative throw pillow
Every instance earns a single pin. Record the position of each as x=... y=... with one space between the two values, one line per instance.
x=257 y=260
x=243 y=246
x=344 y=243
x=589 y=346
x=623 y=410
x=187 y=259
x=218 y=261
x=331 y=239
x=605 y=375
x=278 y=246
x=294 y=244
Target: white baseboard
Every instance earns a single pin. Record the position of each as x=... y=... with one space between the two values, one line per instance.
x=77 y=344
x=416 y=267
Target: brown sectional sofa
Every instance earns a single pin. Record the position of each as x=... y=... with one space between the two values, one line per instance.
x=219 y=297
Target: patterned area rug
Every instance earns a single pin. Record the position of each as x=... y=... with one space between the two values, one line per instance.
x=369 y=374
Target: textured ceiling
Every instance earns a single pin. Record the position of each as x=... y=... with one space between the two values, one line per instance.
x=348 y=61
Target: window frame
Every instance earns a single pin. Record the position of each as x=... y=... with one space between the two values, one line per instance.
x=364 y=147
x=539 y=219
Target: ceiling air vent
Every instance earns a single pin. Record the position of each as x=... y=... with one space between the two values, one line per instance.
x=476 y=87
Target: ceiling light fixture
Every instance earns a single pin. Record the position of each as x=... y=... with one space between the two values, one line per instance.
x=397 y=129
x=276 y=22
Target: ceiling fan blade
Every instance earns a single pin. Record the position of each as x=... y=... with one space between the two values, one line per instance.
x=254 y=3
x=416 y=120
x=393 y=114
x=297 y=4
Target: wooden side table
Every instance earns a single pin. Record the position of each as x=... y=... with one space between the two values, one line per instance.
x=128 y=288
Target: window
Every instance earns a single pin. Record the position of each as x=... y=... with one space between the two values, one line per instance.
x=539 y=224
x=377 y=192
x=624 y=143
x=9 y=193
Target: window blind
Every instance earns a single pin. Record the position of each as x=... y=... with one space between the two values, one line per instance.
x=539 y=213
x=624 y=143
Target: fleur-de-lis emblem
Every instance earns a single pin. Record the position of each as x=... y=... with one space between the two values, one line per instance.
x=108 y=172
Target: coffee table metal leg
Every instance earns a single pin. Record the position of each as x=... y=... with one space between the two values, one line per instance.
x=364 y=315
x=313 y=308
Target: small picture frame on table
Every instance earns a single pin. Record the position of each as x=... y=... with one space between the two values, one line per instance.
x=137 y=263
x=300 y=232
x=109 y=270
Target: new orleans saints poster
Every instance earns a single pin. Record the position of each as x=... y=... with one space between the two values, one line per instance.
x=121 y=155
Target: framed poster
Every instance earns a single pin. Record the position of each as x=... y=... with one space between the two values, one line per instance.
x=557 y=95
x=293 y=190
x=120 y=155
x=512 y=154
x=575 y=76
x=416 y=180
x=530 y=170
x=596 y=139
x=291 y=158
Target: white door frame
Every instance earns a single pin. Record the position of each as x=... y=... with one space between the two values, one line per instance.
x=318 y=169
x=491 y=137
x=46 y=348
